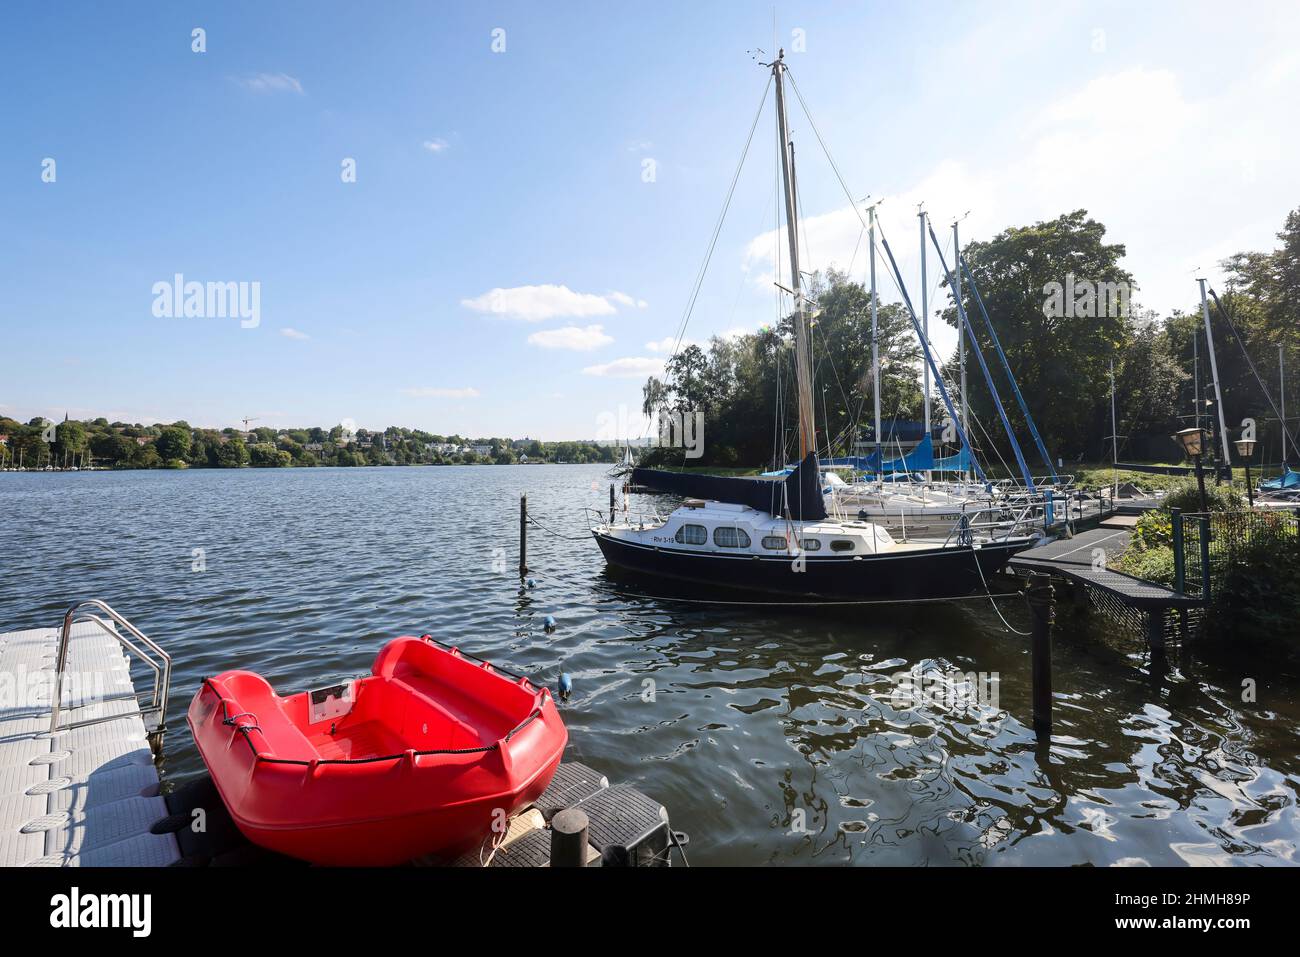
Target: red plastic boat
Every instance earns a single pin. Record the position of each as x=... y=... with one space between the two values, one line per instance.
x=424 y=756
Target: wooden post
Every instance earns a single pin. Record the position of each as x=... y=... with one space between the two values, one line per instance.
x=1040 y=595
x=569 y=838
x=523 y=535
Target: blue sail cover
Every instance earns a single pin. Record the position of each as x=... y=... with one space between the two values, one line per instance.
x=961 y=462
x=920 y=459
x=1287 y=480
x=800 y=492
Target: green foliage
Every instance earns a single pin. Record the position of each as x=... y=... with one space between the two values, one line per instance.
x=231 y=454
x=1258 y=594
x=1061 y=362
x=264 y=455
x=735 y=381
x=1186 y=496
x=173 y=443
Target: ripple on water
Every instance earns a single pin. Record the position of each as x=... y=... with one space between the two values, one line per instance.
x=771 y=735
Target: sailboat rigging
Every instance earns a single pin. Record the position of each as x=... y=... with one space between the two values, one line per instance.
x=777 y=536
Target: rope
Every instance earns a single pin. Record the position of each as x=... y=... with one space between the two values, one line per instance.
x=717 y=229
x=551 y=531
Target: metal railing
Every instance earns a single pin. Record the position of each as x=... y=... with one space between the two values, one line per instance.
x=160 y=664
x=597 y=518
x=1002 y=527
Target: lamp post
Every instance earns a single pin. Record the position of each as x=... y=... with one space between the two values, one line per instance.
x=1193 y=441
x=1246 y=448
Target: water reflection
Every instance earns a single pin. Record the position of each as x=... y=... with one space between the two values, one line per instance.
x=772 y=734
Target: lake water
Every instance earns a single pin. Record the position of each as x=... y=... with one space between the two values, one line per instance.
x=771 y=735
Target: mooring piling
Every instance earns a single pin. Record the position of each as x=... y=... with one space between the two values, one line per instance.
x=523 y=535
x=1040 y=595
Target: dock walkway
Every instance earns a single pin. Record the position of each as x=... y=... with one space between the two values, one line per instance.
x=1078 y=560
x=89 y=795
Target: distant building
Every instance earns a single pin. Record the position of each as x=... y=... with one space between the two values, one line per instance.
x=481 y=449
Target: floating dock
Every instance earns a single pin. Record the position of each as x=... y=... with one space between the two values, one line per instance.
x=87 y=794
x=79 y=787
x=622 y=828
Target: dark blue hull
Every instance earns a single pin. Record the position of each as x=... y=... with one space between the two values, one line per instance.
x=902 y=576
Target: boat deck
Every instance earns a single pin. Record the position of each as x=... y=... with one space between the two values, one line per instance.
x=86 y=796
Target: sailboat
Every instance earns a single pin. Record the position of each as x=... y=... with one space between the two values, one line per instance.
x=776 y=536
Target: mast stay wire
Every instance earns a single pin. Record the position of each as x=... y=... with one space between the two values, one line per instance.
x=844 y=186
x=717 y=230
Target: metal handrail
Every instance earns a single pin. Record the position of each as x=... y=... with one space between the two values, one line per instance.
x=642 y=518
x=162 y=671
x=1008 y=526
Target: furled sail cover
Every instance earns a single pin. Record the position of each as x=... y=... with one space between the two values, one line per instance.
x=800 y=492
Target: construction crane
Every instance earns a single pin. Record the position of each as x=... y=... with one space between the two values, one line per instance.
x=246 y=419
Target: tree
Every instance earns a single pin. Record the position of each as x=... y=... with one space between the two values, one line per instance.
x=1059 y=341
x=173 y=443
x=69 y=441
x=231 y=454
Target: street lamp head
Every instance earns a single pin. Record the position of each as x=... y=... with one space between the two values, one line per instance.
x=1245 y=447
x=1192 y=441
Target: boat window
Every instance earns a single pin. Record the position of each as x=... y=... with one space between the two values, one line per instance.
x=841 y=545
x=809 y=544
x=730 y=537
x=692 y=535
x=775 y=542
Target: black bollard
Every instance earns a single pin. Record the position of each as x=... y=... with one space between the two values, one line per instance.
x=569 y=838
x=1040 y=595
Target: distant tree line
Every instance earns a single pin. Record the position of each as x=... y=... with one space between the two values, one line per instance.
x=1045 y=289
x=123 y=445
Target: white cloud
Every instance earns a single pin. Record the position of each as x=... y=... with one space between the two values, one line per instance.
x=634 y=367
x=435 y=145
x=623 y=299
x=572 y=337
x=290 y=333
x=437 y=392
x=547 y=301
x=1180 y=179
x=667 y=344
x=270 y=83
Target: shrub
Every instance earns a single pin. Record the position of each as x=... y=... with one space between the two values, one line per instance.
x=1186 y=496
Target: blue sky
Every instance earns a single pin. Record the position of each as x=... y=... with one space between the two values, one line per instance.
x=524 y=171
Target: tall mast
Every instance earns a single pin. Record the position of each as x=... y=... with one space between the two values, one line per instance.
x=1114 y=431
x=961 y=340
x=925 y=324
x=875 y=331
x=1214 y=374
x=1281 y=390
x=802 y=351
x=1196 y=378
